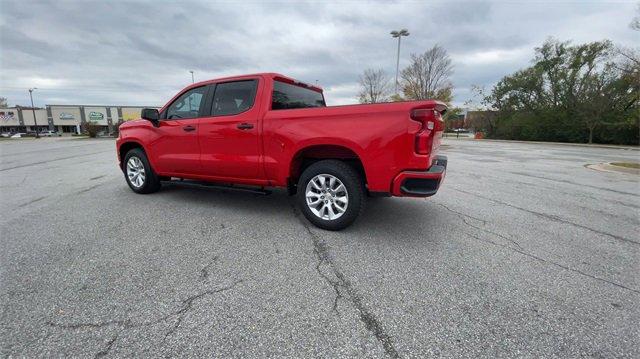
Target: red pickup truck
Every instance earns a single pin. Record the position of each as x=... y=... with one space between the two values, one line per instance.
x=268 y=130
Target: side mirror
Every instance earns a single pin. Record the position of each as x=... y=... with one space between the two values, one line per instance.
x=152 y=115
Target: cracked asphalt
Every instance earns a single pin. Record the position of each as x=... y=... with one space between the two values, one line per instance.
x=524 y=252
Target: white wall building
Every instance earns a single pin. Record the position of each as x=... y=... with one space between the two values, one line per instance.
x=65 y=118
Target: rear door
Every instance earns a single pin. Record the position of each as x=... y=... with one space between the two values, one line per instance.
x=229 y=137
x=176 y=148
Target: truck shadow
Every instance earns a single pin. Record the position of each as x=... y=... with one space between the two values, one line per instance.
x=385 y=216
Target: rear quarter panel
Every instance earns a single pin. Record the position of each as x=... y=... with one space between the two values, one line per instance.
x=382 y=135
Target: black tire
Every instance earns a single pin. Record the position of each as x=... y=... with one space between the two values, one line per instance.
x=151 y=182
x=355 y=188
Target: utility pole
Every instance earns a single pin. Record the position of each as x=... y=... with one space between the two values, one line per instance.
x=399 y=35
x=35 y=122
x=192 y=78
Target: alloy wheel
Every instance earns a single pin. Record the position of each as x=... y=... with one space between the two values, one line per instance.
x=327 y=197
x=135 y=172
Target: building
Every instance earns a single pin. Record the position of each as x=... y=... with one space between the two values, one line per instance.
x=65 y=119
x=481 y=120
x=455 y=122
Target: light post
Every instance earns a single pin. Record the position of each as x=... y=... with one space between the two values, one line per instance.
x=399 y=35
x=35 y=122
x=192 y=78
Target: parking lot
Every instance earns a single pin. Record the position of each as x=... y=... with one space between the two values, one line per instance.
x=523 y=252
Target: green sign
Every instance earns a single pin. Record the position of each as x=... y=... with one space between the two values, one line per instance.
x=96 y=116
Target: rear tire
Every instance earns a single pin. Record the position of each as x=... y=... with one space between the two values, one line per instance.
x=331 y=194
x=139 y=174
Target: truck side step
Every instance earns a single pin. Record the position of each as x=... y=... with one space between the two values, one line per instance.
x=220 y=186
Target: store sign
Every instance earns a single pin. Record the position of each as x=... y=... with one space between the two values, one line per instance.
x=7 y=116
x=96 y=116
x=130 y=114
x=66 y=116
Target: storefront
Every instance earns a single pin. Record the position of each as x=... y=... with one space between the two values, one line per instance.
x=21 y=119
x=66 y=119
x=9 y=121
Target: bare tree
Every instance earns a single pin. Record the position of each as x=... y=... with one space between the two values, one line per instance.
x=428 y=76
x=628 y=60
x=374 y=86
x=3 y=102
x=630 y=56
x=635 y=22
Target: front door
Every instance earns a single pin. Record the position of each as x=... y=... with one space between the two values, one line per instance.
x=229 y=136
x=176 y=148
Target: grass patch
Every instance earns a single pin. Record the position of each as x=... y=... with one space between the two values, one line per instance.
x=633 y=165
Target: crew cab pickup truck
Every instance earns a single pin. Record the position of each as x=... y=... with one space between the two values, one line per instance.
x=268 y=130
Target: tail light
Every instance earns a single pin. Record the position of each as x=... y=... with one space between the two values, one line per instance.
x=431 y=124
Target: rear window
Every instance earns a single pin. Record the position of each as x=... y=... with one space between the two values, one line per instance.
x=287 y=96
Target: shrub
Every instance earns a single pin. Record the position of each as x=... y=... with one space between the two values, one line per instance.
x=91 y=129
x=116 y=128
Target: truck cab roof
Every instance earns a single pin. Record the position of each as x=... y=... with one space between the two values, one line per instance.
x=271 y=75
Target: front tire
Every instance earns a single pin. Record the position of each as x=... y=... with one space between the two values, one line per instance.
x=331 y=194
x=138 y=173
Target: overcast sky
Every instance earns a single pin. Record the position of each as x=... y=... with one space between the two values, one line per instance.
x=140 y=53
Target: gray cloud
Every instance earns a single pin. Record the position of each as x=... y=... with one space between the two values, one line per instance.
x=140 y=52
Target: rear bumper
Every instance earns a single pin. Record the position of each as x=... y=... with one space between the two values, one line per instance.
x=420 y=183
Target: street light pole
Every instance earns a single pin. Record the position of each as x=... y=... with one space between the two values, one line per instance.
x=192 y=78
x=35 y=122
x=399 y=35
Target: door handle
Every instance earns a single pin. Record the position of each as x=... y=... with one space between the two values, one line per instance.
x=189 y=128
x=245 y=126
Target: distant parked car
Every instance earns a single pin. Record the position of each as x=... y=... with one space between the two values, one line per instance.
x=18 y=135
x=49 y=133
x=6 y=134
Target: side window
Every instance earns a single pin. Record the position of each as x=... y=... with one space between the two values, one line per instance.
x=232 y=98
x=188 y=104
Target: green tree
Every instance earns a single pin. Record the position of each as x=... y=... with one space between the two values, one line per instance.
x=453 y=114
x=480 y=116
x=568 y=93
x=396 y=98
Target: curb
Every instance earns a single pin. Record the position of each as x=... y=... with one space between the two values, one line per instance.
x=608 y=167
x=618 y=147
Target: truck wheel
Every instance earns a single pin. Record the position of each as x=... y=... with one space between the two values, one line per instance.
x=331 y=194
x=138 y=173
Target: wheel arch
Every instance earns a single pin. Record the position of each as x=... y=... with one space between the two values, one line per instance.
x=125 y=147
x=310 y=154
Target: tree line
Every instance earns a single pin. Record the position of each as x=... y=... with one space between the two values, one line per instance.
x=570 y=93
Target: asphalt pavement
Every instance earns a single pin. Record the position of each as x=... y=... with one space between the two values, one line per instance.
x=524 y=252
